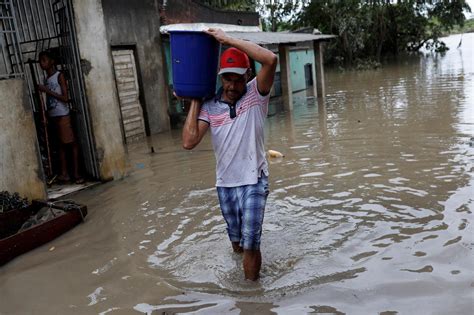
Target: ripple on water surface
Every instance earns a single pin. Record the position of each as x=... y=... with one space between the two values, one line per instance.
x=375 y=193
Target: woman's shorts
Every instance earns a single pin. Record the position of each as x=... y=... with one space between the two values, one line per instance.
x=243 y=209
x=63 y=129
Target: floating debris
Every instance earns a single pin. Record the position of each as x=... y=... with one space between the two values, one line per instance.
x=13 y=201
x=275 y=154
x=44 y=215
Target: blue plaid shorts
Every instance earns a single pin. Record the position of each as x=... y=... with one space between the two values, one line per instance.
x=243 y=209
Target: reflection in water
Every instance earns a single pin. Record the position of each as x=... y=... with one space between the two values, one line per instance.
x=369 y=211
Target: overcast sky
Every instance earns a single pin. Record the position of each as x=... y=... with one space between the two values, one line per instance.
x=471 y=4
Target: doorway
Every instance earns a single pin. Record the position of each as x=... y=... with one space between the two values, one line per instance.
x=48 y=25
x=308 y=75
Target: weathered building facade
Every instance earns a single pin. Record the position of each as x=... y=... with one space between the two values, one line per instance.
x=118 y=68
x=100 y=89
x=20 y=166
x=76 y=31
x=133 y=26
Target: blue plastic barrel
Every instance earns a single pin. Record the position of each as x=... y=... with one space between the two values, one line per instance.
x=194 y=60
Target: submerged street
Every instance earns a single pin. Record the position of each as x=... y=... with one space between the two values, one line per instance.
x=370 y=211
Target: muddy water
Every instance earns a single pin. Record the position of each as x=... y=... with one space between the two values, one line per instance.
x=370 y=212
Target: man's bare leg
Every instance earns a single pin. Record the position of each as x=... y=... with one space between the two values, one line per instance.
x=252 y=264
x=236 y=247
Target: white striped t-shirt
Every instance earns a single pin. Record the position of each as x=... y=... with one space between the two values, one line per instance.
x=239 y=142
x=54 y=106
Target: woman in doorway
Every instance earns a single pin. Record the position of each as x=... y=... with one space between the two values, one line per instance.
x=55 y=88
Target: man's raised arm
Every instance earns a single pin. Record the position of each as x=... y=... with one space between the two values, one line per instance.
x=194 y=129
x=265 y=57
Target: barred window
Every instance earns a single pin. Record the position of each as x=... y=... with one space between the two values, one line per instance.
x=10 y=56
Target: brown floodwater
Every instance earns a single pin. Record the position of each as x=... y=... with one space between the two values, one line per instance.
x=370 y=212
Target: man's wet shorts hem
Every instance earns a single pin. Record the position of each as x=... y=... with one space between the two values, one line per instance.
x=243 y=209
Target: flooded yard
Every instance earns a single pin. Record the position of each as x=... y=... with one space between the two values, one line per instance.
x=370 y=212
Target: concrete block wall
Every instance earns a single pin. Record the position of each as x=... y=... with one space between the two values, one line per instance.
x=20 y=166
x=137 y=24
x=101 y=91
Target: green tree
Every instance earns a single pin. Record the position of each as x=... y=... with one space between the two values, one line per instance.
x=376 y=28
x=235 y=5
x=274 y=13
x=277 y=14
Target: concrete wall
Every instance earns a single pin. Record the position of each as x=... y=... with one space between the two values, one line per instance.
x=137 y=23
x=189 y=11
x=300 y=55
x=298 y=59
x=101 y=90
x=20 y=166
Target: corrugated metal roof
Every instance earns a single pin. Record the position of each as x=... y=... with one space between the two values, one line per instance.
x=204 y=26
x=250 y=33
x=266 y=38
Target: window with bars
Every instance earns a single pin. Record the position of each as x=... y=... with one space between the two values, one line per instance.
x=10 y=55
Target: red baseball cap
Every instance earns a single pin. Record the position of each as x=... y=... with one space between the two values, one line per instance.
x=234 y=60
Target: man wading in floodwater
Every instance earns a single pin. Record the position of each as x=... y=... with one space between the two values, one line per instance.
x=236 y=117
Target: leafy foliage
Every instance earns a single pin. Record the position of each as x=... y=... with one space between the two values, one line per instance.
x=376 y=28
x=278 y=15
x=367 y=30
x=236 y=5
x=468 y=27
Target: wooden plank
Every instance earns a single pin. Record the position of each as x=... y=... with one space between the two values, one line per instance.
x=124 y=69
x=137 y=134
x=132 y=109
x=133 y=117
x=124 y=79
x=132 y=120
x=132 y=126
x=127 y=100
x=131 y=105
x=128 y=91
x=131 y=114
x=123 y=59
x=127 y=86
x=128 y=72
x=122 y=66
x=122 y=52
x=126 y=103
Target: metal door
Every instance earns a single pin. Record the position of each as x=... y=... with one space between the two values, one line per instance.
x=49 y=24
